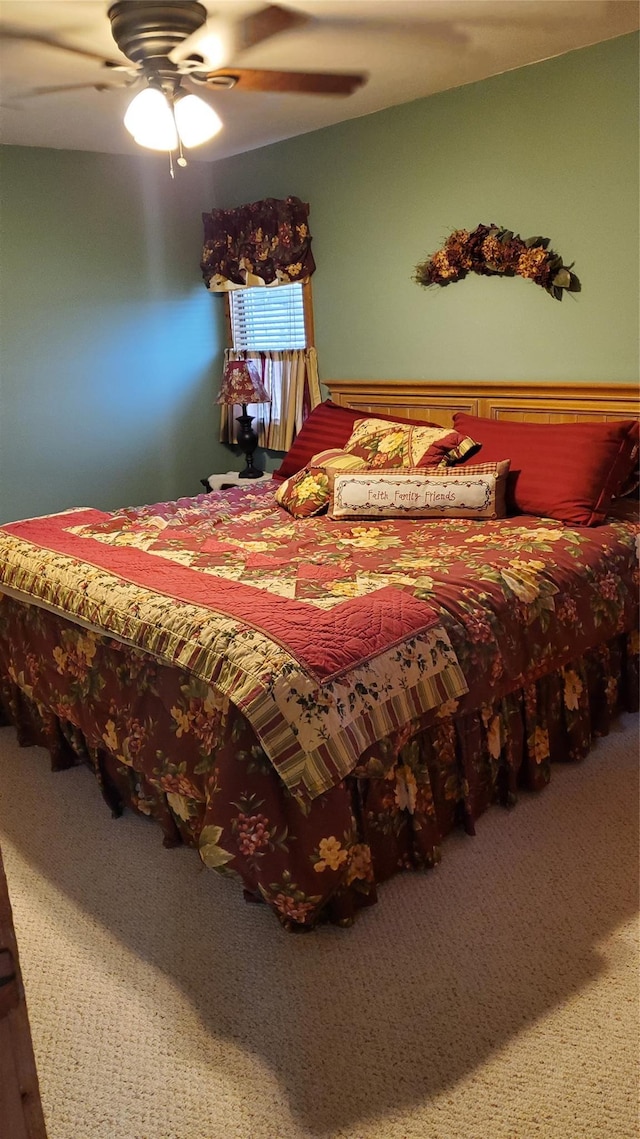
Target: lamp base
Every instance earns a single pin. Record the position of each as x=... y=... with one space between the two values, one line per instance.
x=250 y=472
x=247 y=441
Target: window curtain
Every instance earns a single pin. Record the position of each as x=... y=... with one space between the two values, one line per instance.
x=291 y=379
x=263 y=243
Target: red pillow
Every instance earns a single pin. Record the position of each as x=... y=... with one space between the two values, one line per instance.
x=630 y=484
x=328 y=425
x=568 y=471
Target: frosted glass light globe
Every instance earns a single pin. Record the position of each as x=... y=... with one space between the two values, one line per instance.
x=197 y=122
x=149 y=119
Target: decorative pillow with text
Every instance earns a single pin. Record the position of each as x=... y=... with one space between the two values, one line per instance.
x=476 y=491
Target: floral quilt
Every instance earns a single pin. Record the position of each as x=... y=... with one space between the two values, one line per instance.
x=230 y=590
x=541 y=619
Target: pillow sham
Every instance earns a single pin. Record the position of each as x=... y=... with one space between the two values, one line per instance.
x=630 y=484
x=474 y=491
x=624 y=509
x=328 y=425
x=385 y=446
x=567 y=471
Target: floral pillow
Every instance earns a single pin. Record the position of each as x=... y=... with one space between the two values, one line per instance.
x=306 y=493
x=309 y=491
x=385 y=446
x=328 y=425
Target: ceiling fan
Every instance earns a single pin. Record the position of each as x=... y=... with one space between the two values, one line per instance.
x=175 y=48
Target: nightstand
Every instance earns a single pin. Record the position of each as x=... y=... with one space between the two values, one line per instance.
x=232 y=478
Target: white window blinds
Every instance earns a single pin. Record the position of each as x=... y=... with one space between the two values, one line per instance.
x=265 y=320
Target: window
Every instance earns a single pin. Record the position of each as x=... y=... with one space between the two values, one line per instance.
x=274 y=328
x=271 y=319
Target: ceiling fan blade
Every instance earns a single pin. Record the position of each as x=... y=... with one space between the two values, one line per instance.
x=220 y=39
x=13 y=33
x=445 y=30
x=295 y=82
x=37 y=91
x=212 y=44
x=267 y=22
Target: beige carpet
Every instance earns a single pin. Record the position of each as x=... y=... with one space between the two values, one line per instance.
x=493 y=998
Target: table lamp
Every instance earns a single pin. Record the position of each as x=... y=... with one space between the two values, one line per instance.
x=241 y=384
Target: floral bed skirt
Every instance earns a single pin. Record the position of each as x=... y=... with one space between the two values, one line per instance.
x=225 y=798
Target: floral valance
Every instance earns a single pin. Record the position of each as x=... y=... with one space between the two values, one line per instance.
x=264 y=243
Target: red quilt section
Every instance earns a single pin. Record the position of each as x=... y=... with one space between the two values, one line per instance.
x=326 y=643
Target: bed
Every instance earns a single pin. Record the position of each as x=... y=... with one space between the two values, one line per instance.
x=314 y=704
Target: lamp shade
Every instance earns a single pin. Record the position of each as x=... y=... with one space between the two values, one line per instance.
x=159 y=123
x=150 y=120
x=197 y=122
x=241 y=384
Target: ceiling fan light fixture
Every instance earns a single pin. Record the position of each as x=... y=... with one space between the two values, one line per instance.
x=150 y=120
x=196 y=121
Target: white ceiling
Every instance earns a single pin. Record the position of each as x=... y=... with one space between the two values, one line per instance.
x=407 y=48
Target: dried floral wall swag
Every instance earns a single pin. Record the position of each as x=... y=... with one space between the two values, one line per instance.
x=490 y=251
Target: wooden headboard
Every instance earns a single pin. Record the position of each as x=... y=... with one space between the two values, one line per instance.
x=534 y=403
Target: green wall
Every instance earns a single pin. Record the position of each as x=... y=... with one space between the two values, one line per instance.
x=550 y=149
x=109 y=340
x=111 y=346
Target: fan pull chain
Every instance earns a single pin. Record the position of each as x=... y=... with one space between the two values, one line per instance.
x=181 y=160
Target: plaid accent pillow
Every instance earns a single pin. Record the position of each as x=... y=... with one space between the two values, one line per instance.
x=385 y=446
x=335 y=461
